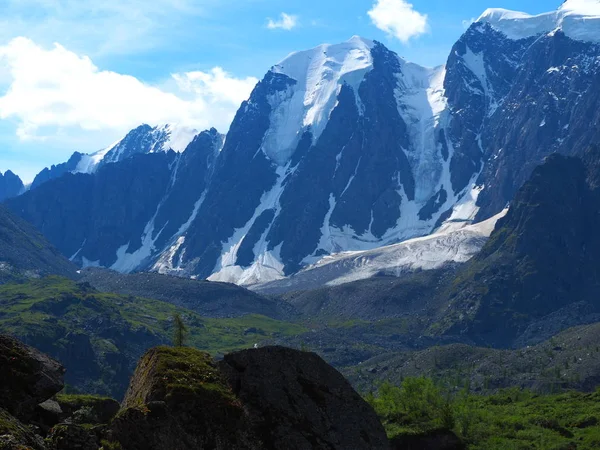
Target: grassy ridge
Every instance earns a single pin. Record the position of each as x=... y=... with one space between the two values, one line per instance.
x=99 y=337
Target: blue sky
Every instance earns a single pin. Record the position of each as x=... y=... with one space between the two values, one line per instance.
x=77 y=74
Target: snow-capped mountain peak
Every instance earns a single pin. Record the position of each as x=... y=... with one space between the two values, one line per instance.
x=143 y=139
x=583 y=7
x=578 y=19
x=318 y=75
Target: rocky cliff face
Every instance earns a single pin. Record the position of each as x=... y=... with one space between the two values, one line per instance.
x=57 y=171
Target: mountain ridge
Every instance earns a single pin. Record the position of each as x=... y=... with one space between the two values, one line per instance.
x=347 y=147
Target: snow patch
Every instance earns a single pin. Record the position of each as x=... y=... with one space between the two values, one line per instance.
x=179 y=137
x=267 y=265
x=89 y=163
x=85 y=263
x=476 y=64
x=128 y=262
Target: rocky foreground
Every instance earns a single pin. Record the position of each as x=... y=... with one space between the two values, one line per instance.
x=180 y=398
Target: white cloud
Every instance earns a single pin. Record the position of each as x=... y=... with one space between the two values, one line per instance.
x=399 y=19
x=102 y=27
x=55 y=92
x=286 y=22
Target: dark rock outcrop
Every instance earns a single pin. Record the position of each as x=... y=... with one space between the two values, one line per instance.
x=72 y=437
x=84 y=409
x=28 y=377
x=295 y=400
x=269 y=398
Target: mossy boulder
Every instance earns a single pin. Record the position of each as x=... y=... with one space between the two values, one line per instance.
x=178 y=399
x=28 y=377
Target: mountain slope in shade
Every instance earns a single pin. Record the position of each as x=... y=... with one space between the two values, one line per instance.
x=10 y=185
x=119 y=215
x=542 y=257
x=25 y=253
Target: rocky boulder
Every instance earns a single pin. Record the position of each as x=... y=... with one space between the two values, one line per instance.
x=268 y=398
x=295 y=400
x=28 y=377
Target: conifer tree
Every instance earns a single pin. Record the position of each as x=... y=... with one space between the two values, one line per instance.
x=180 y=333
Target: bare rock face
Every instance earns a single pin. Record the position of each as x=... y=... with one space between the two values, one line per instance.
x=269 y=399
x=28 y=377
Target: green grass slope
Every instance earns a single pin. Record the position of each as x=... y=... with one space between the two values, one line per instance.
x=99 y=337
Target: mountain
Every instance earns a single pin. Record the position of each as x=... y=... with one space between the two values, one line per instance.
x=10 y=185
x=25 y=253
x=118 y=215
x=58 y=170
x=539 y=272
x=142 y=140
x=340 y=148
x=547 y=98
